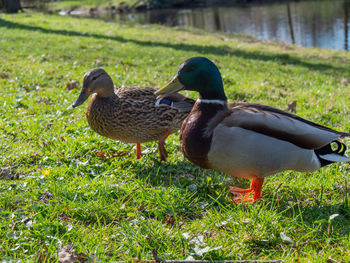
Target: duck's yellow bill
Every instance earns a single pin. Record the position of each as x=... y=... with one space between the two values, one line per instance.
x=173 y=86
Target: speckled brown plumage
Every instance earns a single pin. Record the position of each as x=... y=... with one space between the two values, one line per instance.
x=129 y=114
x=132 y=116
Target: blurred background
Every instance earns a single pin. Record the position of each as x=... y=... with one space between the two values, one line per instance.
x=316 y=23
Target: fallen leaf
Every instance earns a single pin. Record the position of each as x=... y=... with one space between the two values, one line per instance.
x=221 y=224
x=45 y=100
x=201 y=251
x=71 y=85
x=214 y=234
x=82 y=257
x=107 y=156
x=101 y=154
x=4 y=75
x=67 y=254
x=63 y=216
x=246 y=220
x=344 y=81
x=26 y=89
x=186 y=235
x=127 y=198
x=333 y=216
x=292 y=107
x=141 y=208
x=331 y=260
x=170 y=220
x=198 y=240
x=5 y=174
x=286 y=238
x=46 y=196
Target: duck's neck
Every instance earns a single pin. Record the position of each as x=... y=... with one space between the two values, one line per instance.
x=197 y=129
x=106 y=93
x=209 y=107
x=212 y=98
x=211 y=88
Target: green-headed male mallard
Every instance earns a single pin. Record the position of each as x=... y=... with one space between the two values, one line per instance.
x=131 y=114
x=245 y=139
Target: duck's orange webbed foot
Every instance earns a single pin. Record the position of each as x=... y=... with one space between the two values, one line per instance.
x=138 y=151
x=162 y=152
x=255 y=190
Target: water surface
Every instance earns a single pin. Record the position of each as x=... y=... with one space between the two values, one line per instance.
x=306 y=23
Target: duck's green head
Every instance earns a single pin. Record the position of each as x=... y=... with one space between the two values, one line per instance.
x=197 y=74
x=97 y=81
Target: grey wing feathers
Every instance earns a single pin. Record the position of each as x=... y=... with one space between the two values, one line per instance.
x=185 y=105
x=180 y=102
x=281 y=124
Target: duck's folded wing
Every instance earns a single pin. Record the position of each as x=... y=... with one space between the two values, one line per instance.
x=178 y=101
x=136 y=92
x=281 y=125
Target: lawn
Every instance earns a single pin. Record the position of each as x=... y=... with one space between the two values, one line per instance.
x=55 y=190
x=87 y=4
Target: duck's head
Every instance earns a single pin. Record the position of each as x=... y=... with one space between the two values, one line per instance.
x=197 y=74
x=95 y=81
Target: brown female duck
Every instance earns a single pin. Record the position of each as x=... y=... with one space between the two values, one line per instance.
x=131 y=114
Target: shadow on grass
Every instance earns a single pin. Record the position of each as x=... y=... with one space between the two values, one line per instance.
x=204 y=50
x=186 y=183
x=184 y=176
x=316 y=215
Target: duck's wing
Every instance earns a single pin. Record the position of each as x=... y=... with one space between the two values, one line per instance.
x=280 y=124
x=176 y=100
x=180 y=103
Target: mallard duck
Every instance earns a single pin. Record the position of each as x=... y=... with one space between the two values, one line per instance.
x=247 y=140
x=131 y=114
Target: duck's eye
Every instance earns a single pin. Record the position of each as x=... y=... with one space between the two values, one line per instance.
x=94 y=78
x=191 y=68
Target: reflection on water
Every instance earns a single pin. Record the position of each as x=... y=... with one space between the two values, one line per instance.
x=306 y=23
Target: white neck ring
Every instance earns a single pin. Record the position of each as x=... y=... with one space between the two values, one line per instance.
x=221 y=102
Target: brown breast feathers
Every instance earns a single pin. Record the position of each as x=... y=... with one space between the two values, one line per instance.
x=197 y=130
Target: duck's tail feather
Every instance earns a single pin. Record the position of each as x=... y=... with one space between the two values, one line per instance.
x=331 y=153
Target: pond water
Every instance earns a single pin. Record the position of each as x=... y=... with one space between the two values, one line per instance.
x=306 y=23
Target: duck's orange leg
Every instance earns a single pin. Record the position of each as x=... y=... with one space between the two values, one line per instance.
x=255 y=189
x=138 y=151
x=162 y=152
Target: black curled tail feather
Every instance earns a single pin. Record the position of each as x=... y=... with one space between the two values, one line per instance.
x=328 y=150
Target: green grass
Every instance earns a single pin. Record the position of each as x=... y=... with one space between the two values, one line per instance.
x=121 y=208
